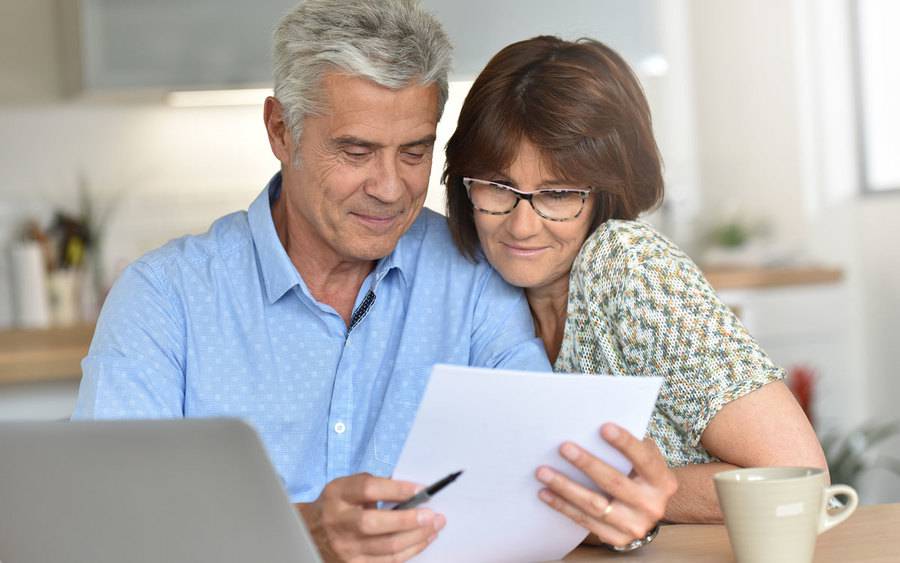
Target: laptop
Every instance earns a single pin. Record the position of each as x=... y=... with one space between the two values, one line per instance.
x=173 y=491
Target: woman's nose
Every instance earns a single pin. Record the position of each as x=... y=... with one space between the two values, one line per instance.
x=522 y=222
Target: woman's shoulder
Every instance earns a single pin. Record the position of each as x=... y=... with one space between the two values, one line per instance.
x=619 y=247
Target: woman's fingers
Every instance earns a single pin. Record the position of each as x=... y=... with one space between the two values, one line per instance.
x=629 y=505
x=589 y=502
x=631 y=522
x=605 y=476
x=644 y=456
x=603 y=530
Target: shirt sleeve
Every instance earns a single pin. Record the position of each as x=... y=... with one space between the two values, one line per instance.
x=670 y=322
x=503 y=329
x=135 y=365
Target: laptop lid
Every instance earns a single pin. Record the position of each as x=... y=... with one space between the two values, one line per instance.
x=178 y=491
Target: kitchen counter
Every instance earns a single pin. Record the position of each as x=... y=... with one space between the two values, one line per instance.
x=31 y=356
x=762 y=277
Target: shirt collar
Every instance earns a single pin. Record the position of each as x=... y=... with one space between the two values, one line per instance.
x=279 y=273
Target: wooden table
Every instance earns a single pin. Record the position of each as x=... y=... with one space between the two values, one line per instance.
x=872 y=534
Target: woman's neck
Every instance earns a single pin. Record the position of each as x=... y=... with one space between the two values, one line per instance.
x=548 y=307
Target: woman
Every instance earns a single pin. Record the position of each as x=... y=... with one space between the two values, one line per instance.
x=565 y=127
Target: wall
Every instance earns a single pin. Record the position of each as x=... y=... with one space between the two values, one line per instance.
x=167 y=171
x=747 y=127
x=776 y=138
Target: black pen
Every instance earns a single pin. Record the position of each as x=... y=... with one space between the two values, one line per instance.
x=425 y=494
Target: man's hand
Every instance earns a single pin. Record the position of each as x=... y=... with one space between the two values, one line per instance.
x=346 y=526
x=631 y=505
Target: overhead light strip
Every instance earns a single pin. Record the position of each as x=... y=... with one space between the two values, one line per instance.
x=218 y=98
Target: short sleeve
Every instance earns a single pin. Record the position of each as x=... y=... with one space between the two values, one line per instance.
x=670 y=322
x=135 y=365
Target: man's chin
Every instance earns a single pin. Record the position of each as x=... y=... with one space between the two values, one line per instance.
x=373 y=248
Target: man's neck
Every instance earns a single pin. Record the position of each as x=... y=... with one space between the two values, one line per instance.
x=331 y=279
x=548 y=307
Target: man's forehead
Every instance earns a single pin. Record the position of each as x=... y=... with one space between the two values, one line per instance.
x=353 y=102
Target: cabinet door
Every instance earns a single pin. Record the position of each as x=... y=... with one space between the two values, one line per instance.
x=176 y=44
x=195 y=44
x=479 y=28
x=808 y=326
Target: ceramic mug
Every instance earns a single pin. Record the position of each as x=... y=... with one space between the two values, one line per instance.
x=774 y=514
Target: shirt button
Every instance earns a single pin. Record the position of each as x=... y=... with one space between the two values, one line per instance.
x=340 y=427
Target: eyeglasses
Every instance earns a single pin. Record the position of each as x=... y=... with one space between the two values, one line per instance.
x=495 y=198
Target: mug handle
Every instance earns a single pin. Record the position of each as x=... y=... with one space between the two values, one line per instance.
x=828 y=521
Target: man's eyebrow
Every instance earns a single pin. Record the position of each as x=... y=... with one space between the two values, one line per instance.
x=427 y=141
x=351 y=141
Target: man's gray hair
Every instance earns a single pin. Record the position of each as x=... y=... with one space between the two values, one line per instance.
x=390 y=42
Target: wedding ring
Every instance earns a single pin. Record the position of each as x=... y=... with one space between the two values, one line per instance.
x=606 y=511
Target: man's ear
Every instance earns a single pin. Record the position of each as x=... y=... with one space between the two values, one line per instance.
x=279 y=135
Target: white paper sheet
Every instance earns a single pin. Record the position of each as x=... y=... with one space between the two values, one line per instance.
x=499 y=426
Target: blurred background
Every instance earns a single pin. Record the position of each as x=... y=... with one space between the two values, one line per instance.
x=125 y=123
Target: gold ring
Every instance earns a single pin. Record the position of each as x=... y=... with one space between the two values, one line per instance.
x=606 y=511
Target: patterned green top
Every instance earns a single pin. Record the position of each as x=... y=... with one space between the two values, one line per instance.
x=639 y=306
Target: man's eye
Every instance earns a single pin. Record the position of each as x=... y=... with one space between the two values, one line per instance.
x=414 y=155
x=357 y=153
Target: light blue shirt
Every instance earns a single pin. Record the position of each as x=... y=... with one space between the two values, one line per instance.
x=222 y=324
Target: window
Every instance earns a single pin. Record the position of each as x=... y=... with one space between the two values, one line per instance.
x=877 y=45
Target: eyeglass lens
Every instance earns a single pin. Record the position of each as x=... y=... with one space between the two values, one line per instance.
x=553 y=204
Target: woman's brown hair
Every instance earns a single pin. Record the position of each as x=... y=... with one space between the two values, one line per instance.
x=580 y=105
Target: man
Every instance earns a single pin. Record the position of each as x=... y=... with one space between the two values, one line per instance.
x=317 y=315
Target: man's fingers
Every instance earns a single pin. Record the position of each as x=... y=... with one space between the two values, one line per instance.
x=605 y=476
x=643 y=454
x=380 y=522
x=363 y=489
x=400 y=542
x=406 y=554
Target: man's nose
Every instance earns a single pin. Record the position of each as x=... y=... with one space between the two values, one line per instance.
x=522 y=222
x=385 y=183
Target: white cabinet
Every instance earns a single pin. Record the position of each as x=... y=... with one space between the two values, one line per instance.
x=126 y=45
x=479 y=28
x=808 y=325
x=170 y=45
x=51 y=47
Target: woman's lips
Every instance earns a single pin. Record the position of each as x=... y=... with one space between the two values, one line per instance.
x=524 y=251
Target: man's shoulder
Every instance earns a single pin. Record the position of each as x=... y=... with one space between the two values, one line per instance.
x=225 y=236
x=433 y=246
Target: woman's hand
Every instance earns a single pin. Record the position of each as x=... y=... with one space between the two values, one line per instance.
x=631 y=505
